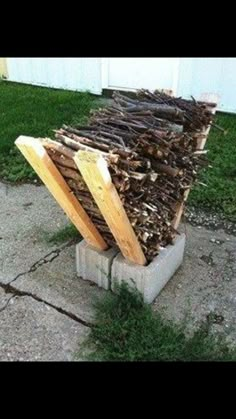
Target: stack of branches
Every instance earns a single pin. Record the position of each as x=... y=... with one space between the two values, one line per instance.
x=151 y=157
x=194 y=115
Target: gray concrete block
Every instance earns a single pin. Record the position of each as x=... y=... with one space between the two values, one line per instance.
x=150 y=279
x=94 y=265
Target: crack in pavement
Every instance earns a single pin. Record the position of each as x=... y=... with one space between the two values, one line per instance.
x=5 y=306
x=9 y=288
x=45 y=259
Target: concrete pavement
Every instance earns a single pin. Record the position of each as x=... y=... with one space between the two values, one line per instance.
x=46 y=310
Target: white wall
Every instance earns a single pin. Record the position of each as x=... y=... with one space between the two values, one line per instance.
x=186 y=76
x=215 y=75
x=136 y=73
x=66 y=73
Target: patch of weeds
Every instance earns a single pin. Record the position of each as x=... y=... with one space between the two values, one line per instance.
x=68 y=232
x=127 y=329
x=14 y=168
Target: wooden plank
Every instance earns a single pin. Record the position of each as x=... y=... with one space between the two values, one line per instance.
x=36 y=155
x=94 y=170
x=180 y=210
x=205 y=97
x=211 y=98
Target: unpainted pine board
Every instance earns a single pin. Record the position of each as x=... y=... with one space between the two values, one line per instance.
x=94 y=170
x=36 y=155
x=211 y=98
x=180 y=210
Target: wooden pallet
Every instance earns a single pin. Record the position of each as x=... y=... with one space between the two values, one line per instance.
x=95 y=172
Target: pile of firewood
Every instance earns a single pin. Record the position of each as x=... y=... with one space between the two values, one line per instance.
x=150 y=145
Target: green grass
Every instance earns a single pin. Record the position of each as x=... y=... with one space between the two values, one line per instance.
x=68 y=232
x=34 y=111
x=220 y=193
x=127 y=329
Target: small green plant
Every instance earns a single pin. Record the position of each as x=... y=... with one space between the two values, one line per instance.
x=127 y=329
x=68 y=232
x=14 y=167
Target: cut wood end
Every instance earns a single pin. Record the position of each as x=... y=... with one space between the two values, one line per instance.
x=25 y=141
x=47 y=140
x=94 y=158
x=88 y=156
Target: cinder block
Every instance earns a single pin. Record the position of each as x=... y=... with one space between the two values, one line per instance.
x=150 y=279
x=94 y=265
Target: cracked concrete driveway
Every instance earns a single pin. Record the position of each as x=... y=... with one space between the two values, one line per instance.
x=46 y=311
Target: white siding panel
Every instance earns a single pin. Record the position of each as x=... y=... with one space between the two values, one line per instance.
x=72 y=76
x=137 y=73
x=227 y=87
x=82 y=74
x=199 y=75
x=213 y=75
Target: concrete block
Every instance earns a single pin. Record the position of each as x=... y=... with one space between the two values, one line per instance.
x=150 y=279
x=94 y=265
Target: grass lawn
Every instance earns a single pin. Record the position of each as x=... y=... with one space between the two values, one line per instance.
x=37 y=111
x=127 y=329
x=220 y=193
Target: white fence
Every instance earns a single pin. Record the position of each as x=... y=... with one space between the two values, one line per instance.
x=185 y=76
x=65 y=73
